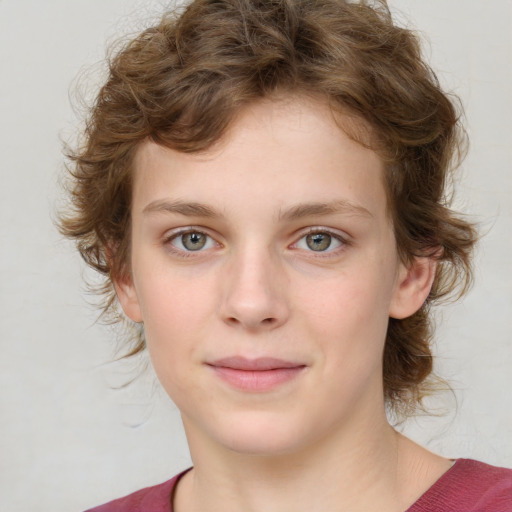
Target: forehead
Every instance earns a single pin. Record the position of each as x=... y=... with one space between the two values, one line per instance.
x=284 y=151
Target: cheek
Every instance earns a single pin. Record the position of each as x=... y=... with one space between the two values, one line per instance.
x=354 y=298
x=349 y=313
x=173 y=300
x=352 y=328
x=175 y=313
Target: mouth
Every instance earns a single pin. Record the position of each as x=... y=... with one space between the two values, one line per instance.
x=256 y=375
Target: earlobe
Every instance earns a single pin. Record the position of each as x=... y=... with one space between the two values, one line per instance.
x=413 y=287
x=127 y=296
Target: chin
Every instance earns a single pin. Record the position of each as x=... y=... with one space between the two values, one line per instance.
x=267 y=436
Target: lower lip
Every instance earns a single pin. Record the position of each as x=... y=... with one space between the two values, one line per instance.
x=260 y=380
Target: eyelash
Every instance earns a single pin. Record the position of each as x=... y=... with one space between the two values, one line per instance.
x=183 y=253
x=328 y=252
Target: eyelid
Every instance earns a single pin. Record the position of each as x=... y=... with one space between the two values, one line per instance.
x=343 y=238
x=173 y=234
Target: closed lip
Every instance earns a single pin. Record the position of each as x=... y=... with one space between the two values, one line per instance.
x=258 y=364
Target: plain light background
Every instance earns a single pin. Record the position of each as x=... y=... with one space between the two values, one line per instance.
x=68 y=438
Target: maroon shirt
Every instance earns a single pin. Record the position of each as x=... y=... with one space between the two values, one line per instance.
x=469 y=486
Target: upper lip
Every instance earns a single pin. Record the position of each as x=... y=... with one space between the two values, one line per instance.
x=259 y=364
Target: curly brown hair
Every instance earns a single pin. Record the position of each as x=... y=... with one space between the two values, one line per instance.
x=182 y=82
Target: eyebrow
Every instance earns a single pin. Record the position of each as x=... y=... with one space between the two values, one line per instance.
x=299 y=211
x=188 y=209
x=318 y=209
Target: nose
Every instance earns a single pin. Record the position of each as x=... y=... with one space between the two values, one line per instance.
x=254 y=292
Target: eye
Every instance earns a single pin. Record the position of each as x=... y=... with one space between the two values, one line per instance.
x=320 y=241
x=191 y=241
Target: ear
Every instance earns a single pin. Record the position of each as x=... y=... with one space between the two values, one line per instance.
x=127 y=296
x=412 y=287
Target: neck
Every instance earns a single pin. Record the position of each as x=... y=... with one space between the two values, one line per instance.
x=369 y=468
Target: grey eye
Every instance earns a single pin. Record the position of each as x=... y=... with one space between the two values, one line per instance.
x=318 y=241
x=193 y=241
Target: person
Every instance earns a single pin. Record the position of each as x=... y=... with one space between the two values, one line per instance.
x=263 y=185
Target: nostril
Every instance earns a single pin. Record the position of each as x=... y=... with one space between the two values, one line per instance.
x=265 y=321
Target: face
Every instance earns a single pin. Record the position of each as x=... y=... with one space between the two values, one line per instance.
x=265 y=271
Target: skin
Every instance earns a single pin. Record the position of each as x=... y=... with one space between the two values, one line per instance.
x=319 y=441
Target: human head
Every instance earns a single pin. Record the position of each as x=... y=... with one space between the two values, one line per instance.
x=182 y=82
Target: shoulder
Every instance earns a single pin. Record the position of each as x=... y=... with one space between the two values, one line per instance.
x=469 y=485
x=156 y=498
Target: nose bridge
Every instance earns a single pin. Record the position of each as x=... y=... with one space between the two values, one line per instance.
x=254 y=296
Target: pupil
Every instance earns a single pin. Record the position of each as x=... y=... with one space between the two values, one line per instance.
x=194 y=241
x=318 y=241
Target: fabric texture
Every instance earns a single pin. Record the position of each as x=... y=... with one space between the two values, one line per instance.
x=468 y=486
